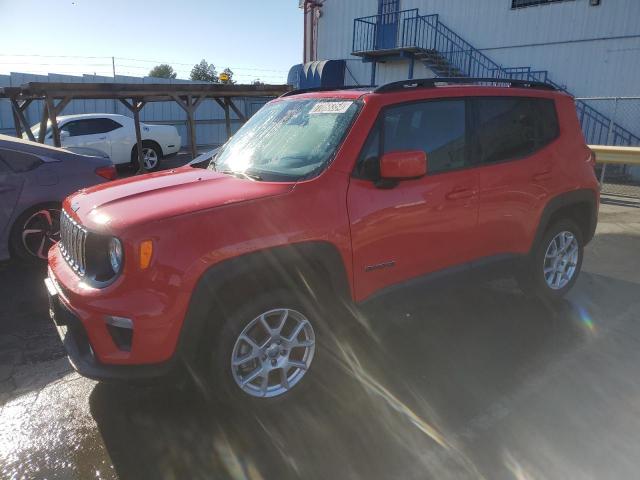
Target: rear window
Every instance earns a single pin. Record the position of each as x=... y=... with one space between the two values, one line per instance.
x=19 y=162
x=507 y=128
x=90 y=126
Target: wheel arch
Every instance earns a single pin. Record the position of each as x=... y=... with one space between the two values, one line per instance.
x=147 y=141
x=580 y=206
x=17 y=216
x=316 y=267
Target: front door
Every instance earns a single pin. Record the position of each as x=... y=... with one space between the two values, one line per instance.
x=387 y=24
x=419 y=226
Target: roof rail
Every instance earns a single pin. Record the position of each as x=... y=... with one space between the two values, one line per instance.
x=323 y=89
x=432 y=82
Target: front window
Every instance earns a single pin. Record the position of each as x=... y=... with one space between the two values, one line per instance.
x=288 y=140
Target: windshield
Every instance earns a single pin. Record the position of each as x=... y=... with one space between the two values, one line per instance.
x=288 y=140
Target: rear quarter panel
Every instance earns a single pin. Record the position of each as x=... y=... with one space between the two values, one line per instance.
x=165 y=135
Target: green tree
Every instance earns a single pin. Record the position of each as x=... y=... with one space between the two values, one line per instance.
x=205 y=72
x=163 y=71
x=257 y=81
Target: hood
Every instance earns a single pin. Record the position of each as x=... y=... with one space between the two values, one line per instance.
x=131 y=201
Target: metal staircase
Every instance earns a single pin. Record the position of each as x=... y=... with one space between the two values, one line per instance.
x=408 y=35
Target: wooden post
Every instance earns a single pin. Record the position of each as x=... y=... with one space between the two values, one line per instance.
x=192 y=127
x=237 y=111
x=135 y=106
x=53 y=111
x=16 y=121
x=54 y=121
x=43 y=124
x=136 y=122
x=227 y=117
x=190 y=107
x=18 y=116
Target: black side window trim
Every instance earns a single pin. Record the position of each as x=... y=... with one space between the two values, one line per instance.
x=113 y=125
x=471 y=122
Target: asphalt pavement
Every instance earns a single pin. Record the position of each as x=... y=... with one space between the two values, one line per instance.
x=470 y=380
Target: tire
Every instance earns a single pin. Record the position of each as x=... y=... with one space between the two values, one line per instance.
x=266 y=357
x=152 y=154
x=549 y=277
x=34 y=232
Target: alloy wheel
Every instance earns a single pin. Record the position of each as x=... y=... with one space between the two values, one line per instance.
x=273 y=353
x=150 y=158
x=561 y=260
x=40 y=232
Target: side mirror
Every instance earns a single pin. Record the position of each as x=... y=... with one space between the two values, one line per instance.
x=403 y=165
x=64 y=134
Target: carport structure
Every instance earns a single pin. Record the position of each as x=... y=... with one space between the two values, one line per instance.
x=134 y=96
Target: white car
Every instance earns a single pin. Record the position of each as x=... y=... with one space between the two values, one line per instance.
x=115 y=135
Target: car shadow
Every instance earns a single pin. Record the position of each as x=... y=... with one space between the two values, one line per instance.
x=30 y=351
x=401 y=392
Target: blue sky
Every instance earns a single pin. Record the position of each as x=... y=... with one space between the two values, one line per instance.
x=255 y=38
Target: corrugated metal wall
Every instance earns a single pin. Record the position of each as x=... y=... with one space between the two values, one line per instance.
x=210 y=126
x=588 y=68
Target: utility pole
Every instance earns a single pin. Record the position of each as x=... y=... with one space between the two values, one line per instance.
x=113 y=68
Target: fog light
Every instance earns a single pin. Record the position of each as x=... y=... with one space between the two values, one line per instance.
x=121 y=331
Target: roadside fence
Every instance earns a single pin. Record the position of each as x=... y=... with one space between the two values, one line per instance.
x=617 y=125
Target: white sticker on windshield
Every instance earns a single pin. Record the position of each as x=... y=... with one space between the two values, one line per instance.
x=331 y=107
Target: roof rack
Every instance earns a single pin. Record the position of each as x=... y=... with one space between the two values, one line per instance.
x=432 y=82
x=324 y=89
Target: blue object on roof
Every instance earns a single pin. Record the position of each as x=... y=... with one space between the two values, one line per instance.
x=322 y=73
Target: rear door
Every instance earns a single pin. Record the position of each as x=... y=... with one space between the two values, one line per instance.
x=10 y=187
x=512 y=139
x=90 y=133
x=422 y=225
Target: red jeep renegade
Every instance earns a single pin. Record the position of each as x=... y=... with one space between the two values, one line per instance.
x=321 y=198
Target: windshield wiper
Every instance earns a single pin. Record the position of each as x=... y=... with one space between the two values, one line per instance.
x=248 y=176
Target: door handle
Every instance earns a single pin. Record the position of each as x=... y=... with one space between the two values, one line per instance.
x=102 y=138
x=460 y=193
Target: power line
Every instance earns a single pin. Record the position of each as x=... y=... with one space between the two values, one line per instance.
x=134 y=60
x=44 y=56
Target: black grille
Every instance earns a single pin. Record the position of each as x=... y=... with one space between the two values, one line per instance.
x=72 y=243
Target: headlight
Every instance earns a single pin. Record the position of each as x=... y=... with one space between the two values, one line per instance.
x=115 y=254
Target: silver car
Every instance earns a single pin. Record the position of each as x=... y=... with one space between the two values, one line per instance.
x=34 y=179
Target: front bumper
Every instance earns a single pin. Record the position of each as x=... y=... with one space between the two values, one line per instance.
x=81 y=354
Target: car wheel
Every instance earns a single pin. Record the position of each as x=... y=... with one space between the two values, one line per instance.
x=553 y=267
x=35 y=232
x=265 y=350
x=151 y=156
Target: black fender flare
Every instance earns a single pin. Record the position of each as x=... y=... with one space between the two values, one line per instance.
x=278 y=264
x=568 y=199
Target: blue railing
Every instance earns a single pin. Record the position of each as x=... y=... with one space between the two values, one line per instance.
x=426 y=33
x=369 y=34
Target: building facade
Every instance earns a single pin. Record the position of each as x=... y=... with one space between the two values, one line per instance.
x=591 y=48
